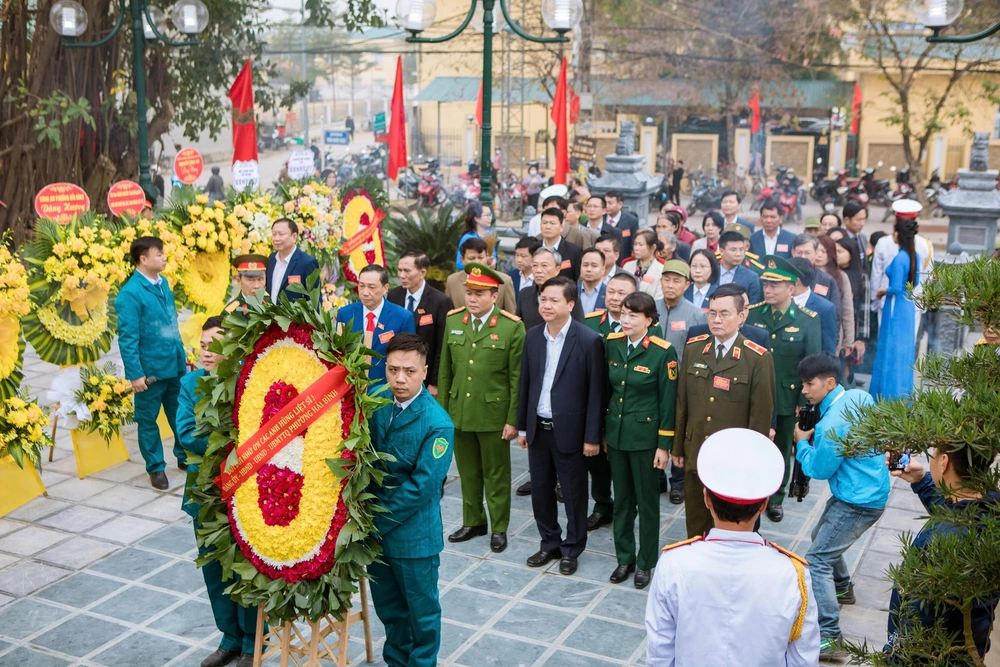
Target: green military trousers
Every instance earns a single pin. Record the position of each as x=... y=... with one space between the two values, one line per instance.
x=238 y=624
x=698 y=517
x=147 y=409
x=483 y=461
x=784 y=433
x=405 y=593
x=600 y=483
x=637 y=490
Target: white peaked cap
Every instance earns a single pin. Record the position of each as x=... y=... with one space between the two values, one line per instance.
x=557 y=190
x=740 y=465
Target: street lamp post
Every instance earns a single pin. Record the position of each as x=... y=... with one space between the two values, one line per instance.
x=415 y=16
x=69 y=19
x=939 y=14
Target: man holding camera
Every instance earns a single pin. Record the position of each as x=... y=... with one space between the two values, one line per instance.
x=859 y=488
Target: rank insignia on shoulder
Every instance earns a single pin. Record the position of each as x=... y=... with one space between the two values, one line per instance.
x=510 y=316
x=659 y=342
x=616 y=335
x=788 y=553
x=736 y=353
x=750 y=345
x=697 y=339
x=807 y=311
x=233 y=305
x=758 y=305
x=465 y=318
x=596 y=313
x=692 y=540
x=456 y=310
x=708 y=346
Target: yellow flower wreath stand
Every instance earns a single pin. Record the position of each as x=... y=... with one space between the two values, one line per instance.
x=17 y=485
x=94 y=454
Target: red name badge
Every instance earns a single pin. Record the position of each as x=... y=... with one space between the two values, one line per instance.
x=565 y=265
x=678 y=326
x=647 y=279
x=427 y=319
x=822 y=290
x=720 y=383
x=626 y=232
x=294 y=279
x=782 y=247
x=387 y=336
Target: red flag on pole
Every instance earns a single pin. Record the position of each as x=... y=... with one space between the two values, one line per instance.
x=562 y=127
x=574 y=107
x=856 y=108
x=479 y=105
x=397 y=126
x=246 y=170
x=755 y=109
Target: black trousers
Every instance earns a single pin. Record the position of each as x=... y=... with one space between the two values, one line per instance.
x=548 y=465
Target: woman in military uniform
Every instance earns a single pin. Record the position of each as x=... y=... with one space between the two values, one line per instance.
x=639 y=432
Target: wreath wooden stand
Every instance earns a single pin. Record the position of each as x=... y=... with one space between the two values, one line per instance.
x=327 y=639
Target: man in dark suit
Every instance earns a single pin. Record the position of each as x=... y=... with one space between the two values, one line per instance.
x=544 y=265
x=803 y=295
x=625 y=222
x=754 y=334
x=771 y=239
x=553 y=221
x=287 y=265
x=559 y=420
x=611 y=246
x=597 y=219
x=730 y=208
x=732 y=249
x=591 y=287
x=375 y=317
x=429 y=307
x=520 y=275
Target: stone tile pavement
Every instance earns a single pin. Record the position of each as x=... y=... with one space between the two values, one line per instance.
x=100 y=573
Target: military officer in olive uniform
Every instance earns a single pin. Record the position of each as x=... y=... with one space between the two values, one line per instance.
x=795 y=334
x=639 y=431
x=250 y=278
x=478 y=384
x=726 y=381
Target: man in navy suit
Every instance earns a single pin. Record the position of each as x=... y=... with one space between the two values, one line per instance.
x=591 y=287
x=625 y=222
x=754 y=334
x=732 y=248
x=597 y=219
x=730 y=208
x=803 y=295
x=523 y=252
x=287 y=265
x=559 y=420
x=373 y=315
x=771 y=239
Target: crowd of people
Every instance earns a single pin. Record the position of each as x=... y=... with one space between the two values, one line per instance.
x=630 y=362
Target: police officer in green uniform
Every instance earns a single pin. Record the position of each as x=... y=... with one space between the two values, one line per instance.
x=250 y=278
x=795 y=334
x=237 y=624
x=750 y=260
x=478 y=384
x=418 y=434
x=639 y=432
x=731 y=387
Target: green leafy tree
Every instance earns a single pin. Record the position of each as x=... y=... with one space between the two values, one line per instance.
x=958 y=411
x=434 y=230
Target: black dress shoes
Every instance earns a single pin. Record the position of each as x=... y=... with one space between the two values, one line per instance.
x=466 y=533
x=567 y=565
x=676 y=496
x=524 y=489
x=642 y=577
x=159 y=480
x=220 y=657
x=541 y=558
x=775 y=513
x=182 y=465
x=596 y=520
x=621 y=573
x=498 y=542
x=246 y=660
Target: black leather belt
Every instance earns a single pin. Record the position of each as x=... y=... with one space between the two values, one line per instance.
x=545 y=424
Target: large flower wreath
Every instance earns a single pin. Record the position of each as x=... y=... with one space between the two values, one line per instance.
x=298 y=529
x=364 y=209
x=14 y=304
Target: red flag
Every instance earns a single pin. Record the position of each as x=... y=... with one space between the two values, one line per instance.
x=856 y=109
x=562 y=128
x=479 y=105
x=245 y=165
x=574 y=107
x=397 y=126
x=755 y=108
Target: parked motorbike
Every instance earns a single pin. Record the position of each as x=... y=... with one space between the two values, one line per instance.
x=829 y=187
x=513 y=195
x=878 y=190
x=904 y=190
x=706 y=195
x=409 y=183
x=431 y=188
x=789 y=201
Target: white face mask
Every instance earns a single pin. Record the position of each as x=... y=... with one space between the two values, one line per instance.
x=532 y=171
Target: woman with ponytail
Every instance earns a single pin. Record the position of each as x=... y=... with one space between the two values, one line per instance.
x=892 y=374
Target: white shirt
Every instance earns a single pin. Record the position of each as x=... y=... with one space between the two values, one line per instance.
x=588 y=300
x=727 y=344
x=377 y=312
x=553 y=248
x=154 y=281
x=553 y=350
x=416 y=296
x=771 y=244
x=613 y=221
x=280 y=267
x=728 y=600
x=698 y=296
x=727 y=276
x=527 y=280
x=405 y=404
x=535 y=225
x=801 y=299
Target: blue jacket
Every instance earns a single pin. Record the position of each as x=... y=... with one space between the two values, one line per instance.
x=689 y=294
x=743 y=276
x=392 y=320
x=783 y=248
x=300 y=267
x=421 y=438
x=148 y=337
x=862 y=481
x=187 y=431
x=828 y=323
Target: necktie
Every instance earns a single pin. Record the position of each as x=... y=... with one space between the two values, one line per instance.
x=721 y=353
x=371 y=322
x=412 y=304
x=396 y=409
x=476 y=326
x=615 y=326
x=777 y=315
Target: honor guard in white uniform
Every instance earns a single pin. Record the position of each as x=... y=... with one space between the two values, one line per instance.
x=730 y=597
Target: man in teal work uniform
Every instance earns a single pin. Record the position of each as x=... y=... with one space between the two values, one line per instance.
x=152 y=352
x=419 y=435
x=795 y=334
x=237 y=624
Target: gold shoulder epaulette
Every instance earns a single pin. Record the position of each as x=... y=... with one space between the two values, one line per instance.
x=788 y=553
x=596 y=313
x=692 y=540
x=659 y=342
x=757 y=264
x=758 y=305
x=616 y=335
x=750 y=345
x=232 y=305
x=807 y=311
x=698 y=339
x=510 y=316
x=750 y=255
x=455 y=310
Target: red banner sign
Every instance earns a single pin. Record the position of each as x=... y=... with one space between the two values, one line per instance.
x=61 y=202
x=290 y=422
x=188 y=165
x=126 y=197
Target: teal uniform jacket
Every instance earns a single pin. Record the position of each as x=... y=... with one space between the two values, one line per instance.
x=187 y=432
x=421 y=438
x=148 y=337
